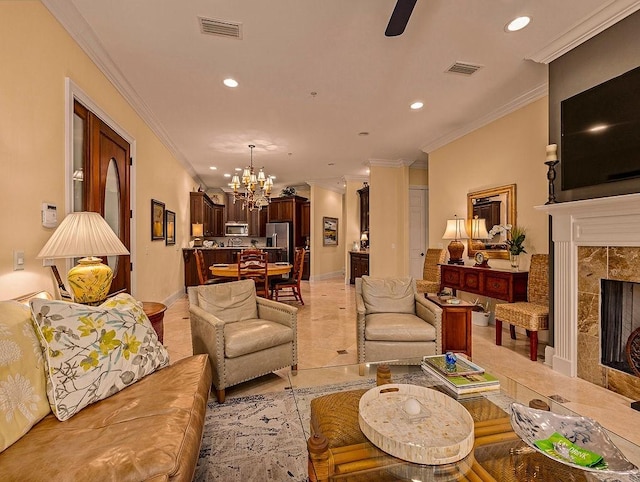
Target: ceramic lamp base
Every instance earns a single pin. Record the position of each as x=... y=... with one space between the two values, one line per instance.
x=456 y=248
x=90 y=281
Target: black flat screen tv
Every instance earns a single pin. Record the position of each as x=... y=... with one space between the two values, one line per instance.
x=601 y=133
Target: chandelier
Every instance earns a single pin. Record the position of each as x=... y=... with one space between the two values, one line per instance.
x=256 y=189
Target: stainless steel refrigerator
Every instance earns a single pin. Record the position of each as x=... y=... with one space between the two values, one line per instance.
x=281 y=235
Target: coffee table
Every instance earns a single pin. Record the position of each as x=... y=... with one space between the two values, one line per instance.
x=499 y=454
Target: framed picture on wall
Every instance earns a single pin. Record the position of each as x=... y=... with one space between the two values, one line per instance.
x=157 y=220
x=170 y=220
x=329 y=231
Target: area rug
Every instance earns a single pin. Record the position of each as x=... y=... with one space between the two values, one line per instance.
x=263 y=437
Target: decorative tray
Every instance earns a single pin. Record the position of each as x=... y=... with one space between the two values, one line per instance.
x=533 y=425
x=439 y=430
x=462 y=367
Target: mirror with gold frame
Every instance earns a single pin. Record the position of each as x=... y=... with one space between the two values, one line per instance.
x=495 y=206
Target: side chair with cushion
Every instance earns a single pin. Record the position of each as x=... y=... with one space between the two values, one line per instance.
x=533 y=314
x=395 y=321
x=253 y=264
x=244 y=335
x=292 y=283
x=430 y=282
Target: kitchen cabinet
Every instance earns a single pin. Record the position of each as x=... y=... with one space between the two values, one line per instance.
x=359 y=265
x=257 y=219
x=204 y=211
x=290 y=209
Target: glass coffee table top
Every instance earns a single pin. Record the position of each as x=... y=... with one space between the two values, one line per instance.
x=500 y=455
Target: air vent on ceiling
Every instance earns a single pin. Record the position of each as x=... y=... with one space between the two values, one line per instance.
x=463 y=68
x=221 y=28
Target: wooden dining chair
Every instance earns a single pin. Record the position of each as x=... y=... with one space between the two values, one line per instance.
x=292 y=283
x=203 y=270
x=253 y=264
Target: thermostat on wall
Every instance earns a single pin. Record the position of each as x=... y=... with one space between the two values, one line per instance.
x=49 y=215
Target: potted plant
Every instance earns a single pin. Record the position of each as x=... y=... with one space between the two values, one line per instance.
x=515 y=243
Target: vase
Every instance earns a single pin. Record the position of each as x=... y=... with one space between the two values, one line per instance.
x=515 y=260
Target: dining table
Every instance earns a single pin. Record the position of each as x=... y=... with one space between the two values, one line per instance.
x=231 y=270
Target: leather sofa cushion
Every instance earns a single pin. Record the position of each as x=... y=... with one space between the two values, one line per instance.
x=388 y=295
x=233 y=301
x=249 y=336
x=151 y=430
x=397 y=327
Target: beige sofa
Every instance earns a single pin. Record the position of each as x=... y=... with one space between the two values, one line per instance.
x=150 y=430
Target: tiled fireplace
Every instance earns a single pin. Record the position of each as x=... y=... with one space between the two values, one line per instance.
x=593 y=239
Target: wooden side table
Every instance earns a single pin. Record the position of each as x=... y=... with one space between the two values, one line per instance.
x=456 y=325
x=155 y=313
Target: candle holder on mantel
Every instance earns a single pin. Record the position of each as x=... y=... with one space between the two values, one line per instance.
x=552 y=161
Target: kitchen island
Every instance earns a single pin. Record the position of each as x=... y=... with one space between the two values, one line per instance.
x=220 y=255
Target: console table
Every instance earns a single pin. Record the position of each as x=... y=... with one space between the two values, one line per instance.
x=507 y=285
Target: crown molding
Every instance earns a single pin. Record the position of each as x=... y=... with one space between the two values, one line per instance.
x=610 y=13
x=77 y=27
x=335 y=184
x=389 y=163
x=420 y=164
x=512 y=106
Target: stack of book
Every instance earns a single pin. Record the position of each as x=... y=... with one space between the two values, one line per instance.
x=464 y=380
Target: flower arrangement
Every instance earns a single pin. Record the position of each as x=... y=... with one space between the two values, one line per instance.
x=288 y=191
x=515 y=237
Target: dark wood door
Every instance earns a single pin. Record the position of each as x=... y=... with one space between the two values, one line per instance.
x=106 y=187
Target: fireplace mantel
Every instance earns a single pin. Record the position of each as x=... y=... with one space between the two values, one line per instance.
x=610 y=221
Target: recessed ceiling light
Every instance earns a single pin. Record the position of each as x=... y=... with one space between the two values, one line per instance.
x=230 y=82
x=238 y=169
x=213 y=168
x=227 y=175
x=517 y=24
x=417 y=105
x=363 y=133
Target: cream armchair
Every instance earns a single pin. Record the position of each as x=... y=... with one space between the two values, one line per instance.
x=394 y=321
x=245 y=336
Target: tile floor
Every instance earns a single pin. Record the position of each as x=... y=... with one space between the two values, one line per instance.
x=327 y=336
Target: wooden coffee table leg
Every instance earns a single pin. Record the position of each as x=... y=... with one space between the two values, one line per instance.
x=318 y=447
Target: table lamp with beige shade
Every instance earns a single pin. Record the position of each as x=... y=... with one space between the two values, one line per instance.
x=455 y=231
x=197 y=231
x=85 y=235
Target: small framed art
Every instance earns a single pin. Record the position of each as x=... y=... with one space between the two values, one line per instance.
x=330 y=231
x=170 y=222
x=157 y=220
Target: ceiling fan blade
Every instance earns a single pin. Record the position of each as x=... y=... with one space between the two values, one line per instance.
x=399 y=17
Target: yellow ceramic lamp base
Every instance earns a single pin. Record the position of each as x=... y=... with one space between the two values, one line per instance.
x=90 y=280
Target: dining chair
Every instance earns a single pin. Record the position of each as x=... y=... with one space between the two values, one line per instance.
x=203 y=270
x=253 y=264
x=430 y=282
x=292 y=283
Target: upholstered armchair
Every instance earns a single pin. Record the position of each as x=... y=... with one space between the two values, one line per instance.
x=430 y=282
x=245 y=336
x=394 y=321
x=533 y=314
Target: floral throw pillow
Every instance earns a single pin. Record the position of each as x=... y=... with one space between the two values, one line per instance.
x=92 y=353
x=23 y=396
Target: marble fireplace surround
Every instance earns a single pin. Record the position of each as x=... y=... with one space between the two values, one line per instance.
x=593 y=239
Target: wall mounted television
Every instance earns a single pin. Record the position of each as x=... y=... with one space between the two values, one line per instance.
x=601 y=133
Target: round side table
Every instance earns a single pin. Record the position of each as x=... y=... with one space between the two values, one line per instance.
x=155 y=313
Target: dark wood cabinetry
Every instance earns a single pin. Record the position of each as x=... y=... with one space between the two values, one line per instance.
x=291 y=209
x=456 y=326
x=205 y=212
x=305 y=222
x=359 y=265
x=489 y=211
x=257 y=220
x=364 y=209
x=504 y=285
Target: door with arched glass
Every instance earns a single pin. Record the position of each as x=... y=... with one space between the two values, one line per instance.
x=101 y=183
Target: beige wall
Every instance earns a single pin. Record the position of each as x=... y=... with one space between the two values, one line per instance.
x=37 y=56
x=389 y=221
x=326 y=261
x=352 y=220
x=418 y=177
x=507 y=151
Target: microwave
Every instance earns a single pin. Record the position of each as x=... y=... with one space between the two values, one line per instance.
x=236 y=229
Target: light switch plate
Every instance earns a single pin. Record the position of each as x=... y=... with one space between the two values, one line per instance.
x=18 y=260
